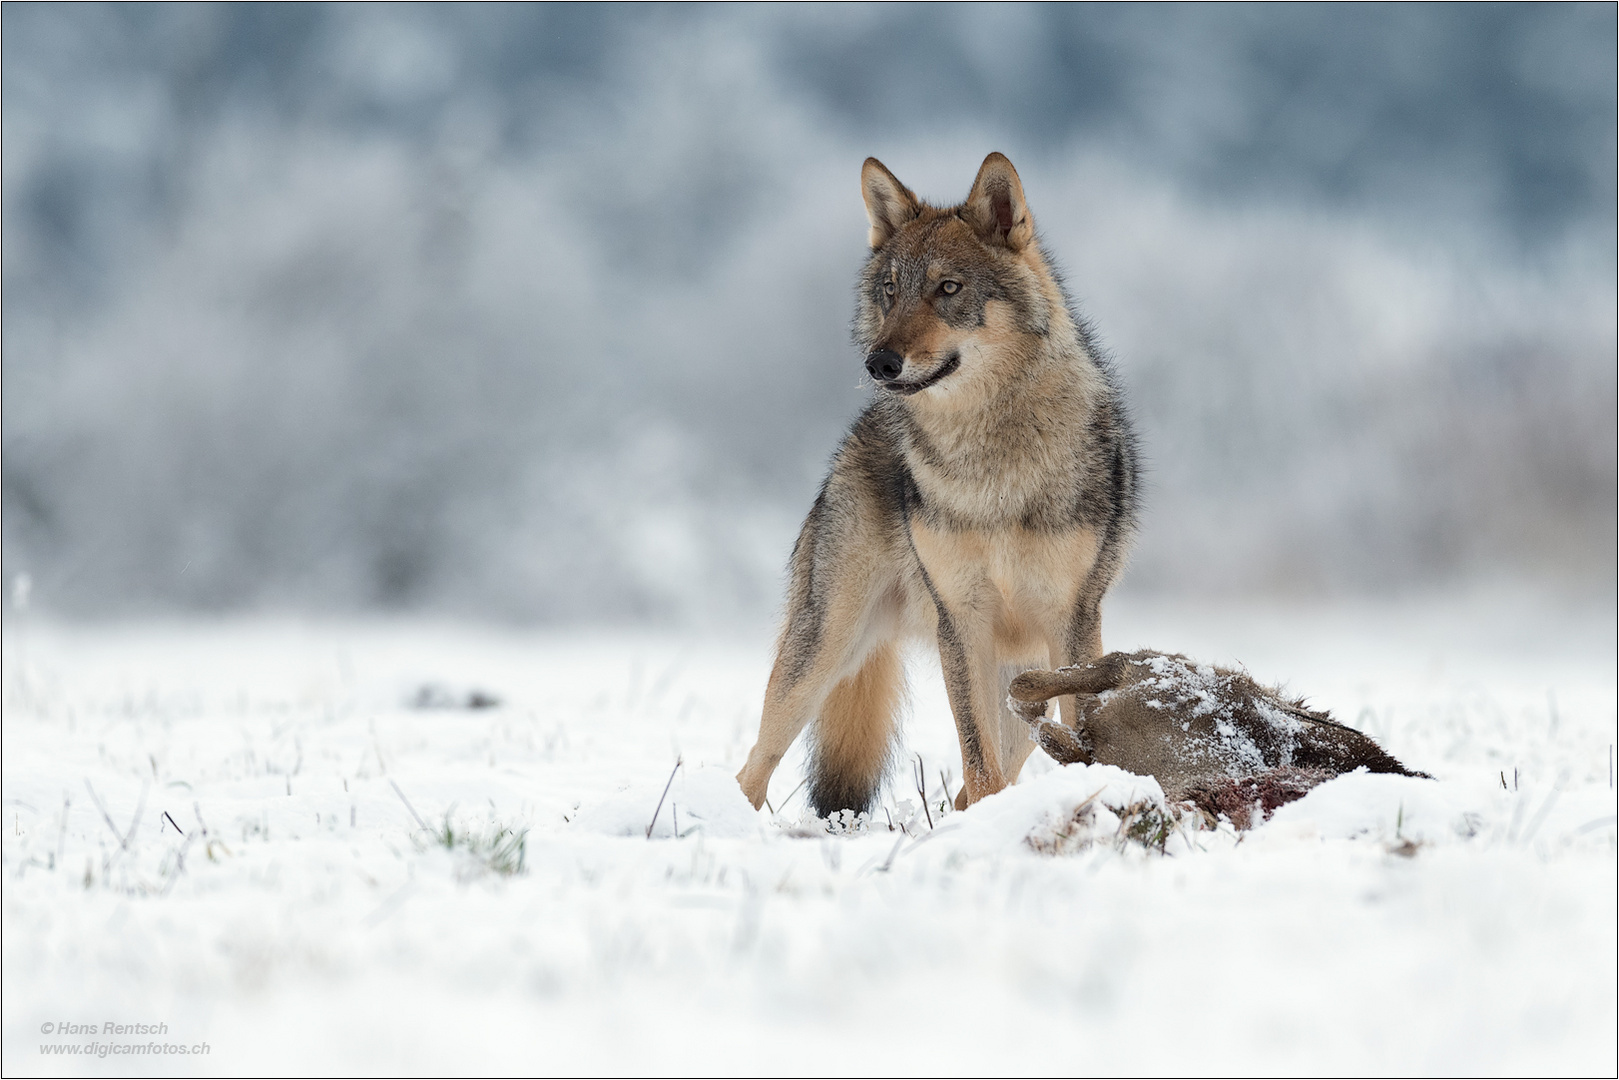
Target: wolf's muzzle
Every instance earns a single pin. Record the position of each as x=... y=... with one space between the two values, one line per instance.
x=908 y=388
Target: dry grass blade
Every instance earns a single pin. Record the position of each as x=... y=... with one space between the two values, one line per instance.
x=921 y=786
x=1545 y=807
x=409 y=807
x=104 y=815
x=659 y=808
x=793 y=792
x=893 y=851
x=122 y=838
x=134 y=822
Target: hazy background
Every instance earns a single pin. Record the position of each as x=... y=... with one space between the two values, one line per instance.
x=541 y=312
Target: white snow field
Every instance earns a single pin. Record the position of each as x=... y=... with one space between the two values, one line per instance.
x=259 y=886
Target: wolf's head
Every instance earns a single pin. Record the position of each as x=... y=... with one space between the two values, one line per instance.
x=954 y=300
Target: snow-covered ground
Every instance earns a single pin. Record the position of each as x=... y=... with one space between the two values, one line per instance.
x=258 y=883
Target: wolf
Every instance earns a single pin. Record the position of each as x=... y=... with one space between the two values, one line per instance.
x=1210 y=736
x=984 y=500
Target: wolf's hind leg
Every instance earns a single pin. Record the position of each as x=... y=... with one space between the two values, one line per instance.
x=822 y=655
x=785 y=714
x=851 y=742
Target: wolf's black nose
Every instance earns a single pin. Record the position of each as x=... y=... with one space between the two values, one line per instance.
x=885 y=364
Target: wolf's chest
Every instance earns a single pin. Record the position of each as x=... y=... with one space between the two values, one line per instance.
x=1016 y=577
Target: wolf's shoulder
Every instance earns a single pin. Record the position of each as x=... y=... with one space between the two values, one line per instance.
x=871 y=457
x=875 y=436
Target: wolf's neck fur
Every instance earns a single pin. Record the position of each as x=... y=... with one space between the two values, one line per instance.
x=1011 y=442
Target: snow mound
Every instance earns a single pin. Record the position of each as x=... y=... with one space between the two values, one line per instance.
x=1380 y=805
x=1066 y=809
x=705 y=799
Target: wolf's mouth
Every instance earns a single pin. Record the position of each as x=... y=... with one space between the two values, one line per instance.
x=908 y=388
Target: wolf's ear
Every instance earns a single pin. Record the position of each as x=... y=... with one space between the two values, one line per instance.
x=996 y=209
x=889 y=203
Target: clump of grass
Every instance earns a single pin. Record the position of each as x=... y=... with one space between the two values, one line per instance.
x=499 y=850
x=1074 y=833
x=1145 y=823
x=1148 y=824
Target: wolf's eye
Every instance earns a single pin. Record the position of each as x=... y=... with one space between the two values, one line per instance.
x=888 y=288
x=950 y=288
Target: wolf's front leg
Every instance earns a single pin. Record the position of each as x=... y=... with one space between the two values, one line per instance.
x=1079 y=643
x=972 y=680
